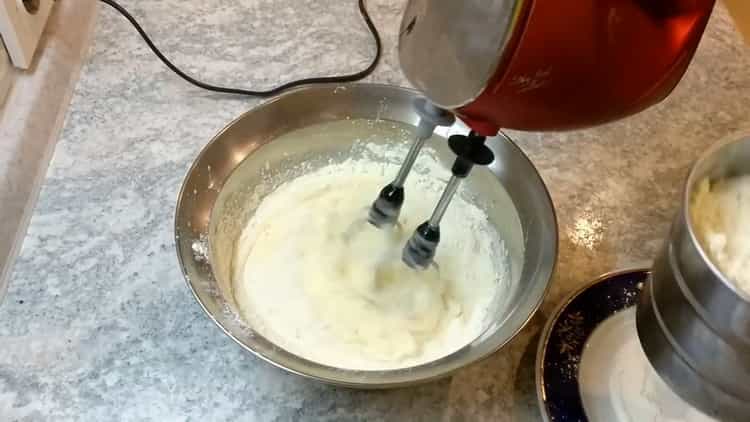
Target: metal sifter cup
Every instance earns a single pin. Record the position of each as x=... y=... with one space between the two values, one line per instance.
x=693 y=323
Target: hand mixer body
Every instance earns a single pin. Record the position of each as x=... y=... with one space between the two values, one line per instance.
x=548 y=64
x=533 y=65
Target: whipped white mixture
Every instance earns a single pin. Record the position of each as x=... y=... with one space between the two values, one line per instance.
x=311 y=275
x=720 y=212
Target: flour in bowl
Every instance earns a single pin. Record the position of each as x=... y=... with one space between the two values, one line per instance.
x=720 y=213
x=312 y=276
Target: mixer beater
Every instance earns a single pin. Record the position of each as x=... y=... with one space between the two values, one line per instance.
x=386 y=208
x=470 y=150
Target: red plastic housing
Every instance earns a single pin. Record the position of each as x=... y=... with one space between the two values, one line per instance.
x=578 y=63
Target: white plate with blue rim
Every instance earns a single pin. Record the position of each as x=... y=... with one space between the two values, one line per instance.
x=590 y=366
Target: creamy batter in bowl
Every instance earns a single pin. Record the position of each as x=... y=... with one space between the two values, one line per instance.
x=311 y=128
x=310 y=274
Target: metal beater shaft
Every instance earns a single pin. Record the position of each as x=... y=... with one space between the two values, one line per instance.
x=470 y=150
x=386 y=208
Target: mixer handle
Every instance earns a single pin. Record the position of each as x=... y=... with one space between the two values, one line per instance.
x=665 y=9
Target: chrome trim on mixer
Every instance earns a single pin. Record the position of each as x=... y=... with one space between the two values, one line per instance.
x=450 y=49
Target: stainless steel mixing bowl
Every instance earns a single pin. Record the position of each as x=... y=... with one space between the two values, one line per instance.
x=235 y=170
x=692 y=322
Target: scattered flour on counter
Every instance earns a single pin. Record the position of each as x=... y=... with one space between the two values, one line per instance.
x=720 y=212
x=311 y=275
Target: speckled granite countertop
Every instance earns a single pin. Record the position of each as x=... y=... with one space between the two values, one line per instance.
x=98 y=324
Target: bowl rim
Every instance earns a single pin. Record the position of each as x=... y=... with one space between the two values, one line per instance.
x=361 y=383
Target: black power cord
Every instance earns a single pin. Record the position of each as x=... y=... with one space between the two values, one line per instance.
x=265 y=93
